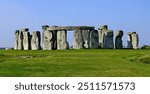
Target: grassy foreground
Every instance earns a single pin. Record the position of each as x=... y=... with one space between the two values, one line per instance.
x=75 y=63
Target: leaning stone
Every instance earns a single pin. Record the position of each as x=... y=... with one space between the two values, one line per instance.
x=35 y=40
x=78 y=40
x=118 y=39
x=94 y=43
x=62 y=40
x=108 y=40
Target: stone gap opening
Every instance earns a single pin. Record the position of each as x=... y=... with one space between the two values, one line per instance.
x=70 y=38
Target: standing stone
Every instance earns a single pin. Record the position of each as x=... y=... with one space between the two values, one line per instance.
x=129 y=40
x=101 y=31
x=62 y=40
x=94 y=43
x=35 y=40
x=26 y=40
x=16 y=40
x=78 y=42
x=108 y=39
x=133 y=40
x=86 y=38
x=118 y=39
x=20 y=41
x=47 y=40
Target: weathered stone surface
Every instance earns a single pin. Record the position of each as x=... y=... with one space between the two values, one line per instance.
x=94 y=43
x=47 y=40
x=16 y=40
x=24 y=30
x=86 y=38
x=62 y=40
x=101 y=31
x=135 y=40
x=20 y=41
x=44 y=27
x=36 y=40
x=108 y=39
x=129 y=40
x=69 y=28
x=78 y=42
x=104 y=27
x=118 y=39
x=26 y=40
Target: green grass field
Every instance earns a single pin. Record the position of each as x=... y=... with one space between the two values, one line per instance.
x=75 y=63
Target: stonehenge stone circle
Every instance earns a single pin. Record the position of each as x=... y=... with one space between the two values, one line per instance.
x=133 y=40
x=36 y=40
x=118 y=39
x=85 y=37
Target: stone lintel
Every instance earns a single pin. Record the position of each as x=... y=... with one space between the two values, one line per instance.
x=130 y=33
x=24 y=29
x=70 y=28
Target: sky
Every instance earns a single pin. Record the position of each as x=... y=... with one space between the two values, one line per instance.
x=126 y=15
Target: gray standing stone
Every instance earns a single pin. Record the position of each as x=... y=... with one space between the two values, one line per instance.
x=78 y=42
x=129 y=40
x=26 y=40
x=118 y=39
x=133 y=40
x=47 y=40
x=94 y=39
x=108 y=40
x=62 y=40
x=35 y=40
x=101 y=31
x=86 y=38
x=16 y=40
x=20 y=41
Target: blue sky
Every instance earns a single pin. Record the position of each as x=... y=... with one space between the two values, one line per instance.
x=127 y=15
